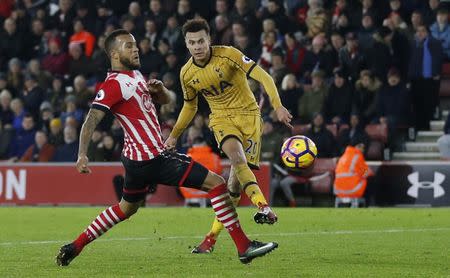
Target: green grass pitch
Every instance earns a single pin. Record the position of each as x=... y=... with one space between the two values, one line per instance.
x=156 y=242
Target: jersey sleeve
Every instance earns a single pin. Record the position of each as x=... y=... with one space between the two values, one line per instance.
x=243 y=62
x=107 y=96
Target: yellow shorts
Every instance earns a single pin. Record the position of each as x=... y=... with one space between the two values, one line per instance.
x=246 y=128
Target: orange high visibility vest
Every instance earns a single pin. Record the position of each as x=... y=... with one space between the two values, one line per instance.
x=205 y=156
x=351 y=174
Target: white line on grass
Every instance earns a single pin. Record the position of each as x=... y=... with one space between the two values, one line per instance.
x=342 y=232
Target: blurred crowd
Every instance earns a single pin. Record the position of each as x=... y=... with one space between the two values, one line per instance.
x=345 y=63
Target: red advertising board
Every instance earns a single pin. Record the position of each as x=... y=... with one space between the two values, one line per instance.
x=61 y=184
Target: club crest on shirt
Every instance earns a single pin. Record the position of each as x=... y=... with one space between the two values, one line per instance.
x=100 y=95
x=246 y=59
x=146 y=102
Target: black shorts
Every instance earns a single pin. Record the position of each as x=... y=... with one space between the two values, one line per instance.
x=168 y=168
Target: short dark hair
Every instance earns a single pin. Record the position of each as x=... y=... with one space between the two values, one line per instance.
x=28 y=115
x=195 y=25
x=442 y=11
x=111 y=40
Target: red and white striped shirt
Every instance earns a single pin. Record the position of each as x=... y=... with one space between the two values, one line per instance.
x=125 y=94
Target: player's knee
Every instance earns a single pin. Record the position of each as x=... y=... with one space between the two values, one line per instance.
x=234 y=186
x=212 y=180
x=237 y=158
x=129 y=208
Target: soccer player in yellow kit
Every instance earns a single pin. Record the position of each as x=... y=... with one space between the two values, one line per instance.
x=220 y=74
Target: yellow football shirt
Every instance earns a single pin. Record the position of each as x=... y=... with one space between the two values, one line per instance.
x=222 y=81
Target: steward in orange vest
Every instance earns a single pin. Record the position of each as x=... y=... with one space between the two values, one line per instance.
x=352 y=172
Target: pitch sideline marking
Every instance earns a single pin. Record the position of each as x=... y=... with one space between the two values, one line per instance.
x=342 y=232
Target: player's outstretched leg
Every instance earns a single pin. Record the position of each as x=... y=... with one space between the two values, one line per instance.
x=207 y=245
x=226 y=213
x=235 y=152
x=104 y=221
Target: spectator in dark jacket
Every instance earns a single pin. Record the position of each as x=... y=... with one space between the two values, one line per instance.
x=379 y=57
x=430 y=11
x=32 y=95
x=6 y=135
x=322 y=137
x=157 y=14
x=338 y=104
x=290 y=93
x=356 y=130
x=62 y=20
x=275 y=11
x=394 y=105
x=365 y=96
x=424 y=73
x=68 y=152
x=352 y=60
x=36 y=43
x=316 y=58
x=23 y=138
x=365 y=33
x=243 y=13
x=79 y=63
x=151 y=60
x=6 y=114
x=11 y=44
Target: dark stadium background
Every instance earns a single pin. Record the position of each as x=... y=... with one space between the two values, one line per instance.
x=52 y=62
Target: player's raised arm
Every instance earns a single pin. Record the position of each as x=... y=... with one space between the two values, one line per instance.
x=260 y=75
x=186 y=115
x=92 y=119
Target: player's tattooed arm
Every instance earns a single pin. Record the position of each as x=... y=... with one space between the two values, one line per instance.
x=92 y=119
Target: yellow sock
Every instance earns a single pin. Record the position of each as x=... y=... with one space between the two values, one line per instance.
x=255 y=195
x=251 y=188
x=217 y=226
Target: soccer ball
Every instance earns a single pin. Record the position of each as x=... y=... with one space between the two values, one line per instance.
x=298 y=152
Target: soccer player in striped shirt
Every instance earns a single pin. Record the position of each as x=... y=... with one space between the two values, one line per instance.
x=220 y=73
x=130 y=98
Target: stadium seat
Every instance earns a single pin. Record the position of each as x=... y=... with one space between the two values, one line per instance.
x=378 y=132
x=444 y=90
x=322 y=165
x=375 y=150
x=323 y=175
x=446 y=71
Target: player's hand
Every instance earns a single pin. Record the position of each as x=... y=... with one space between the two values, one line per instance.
x=155 y=86
x=82 y=163
x=170 y=143
x=284 y=116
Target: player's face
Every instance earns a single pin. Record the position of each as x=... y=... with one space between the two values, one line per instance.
x=128 y=52
x=198 y=44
